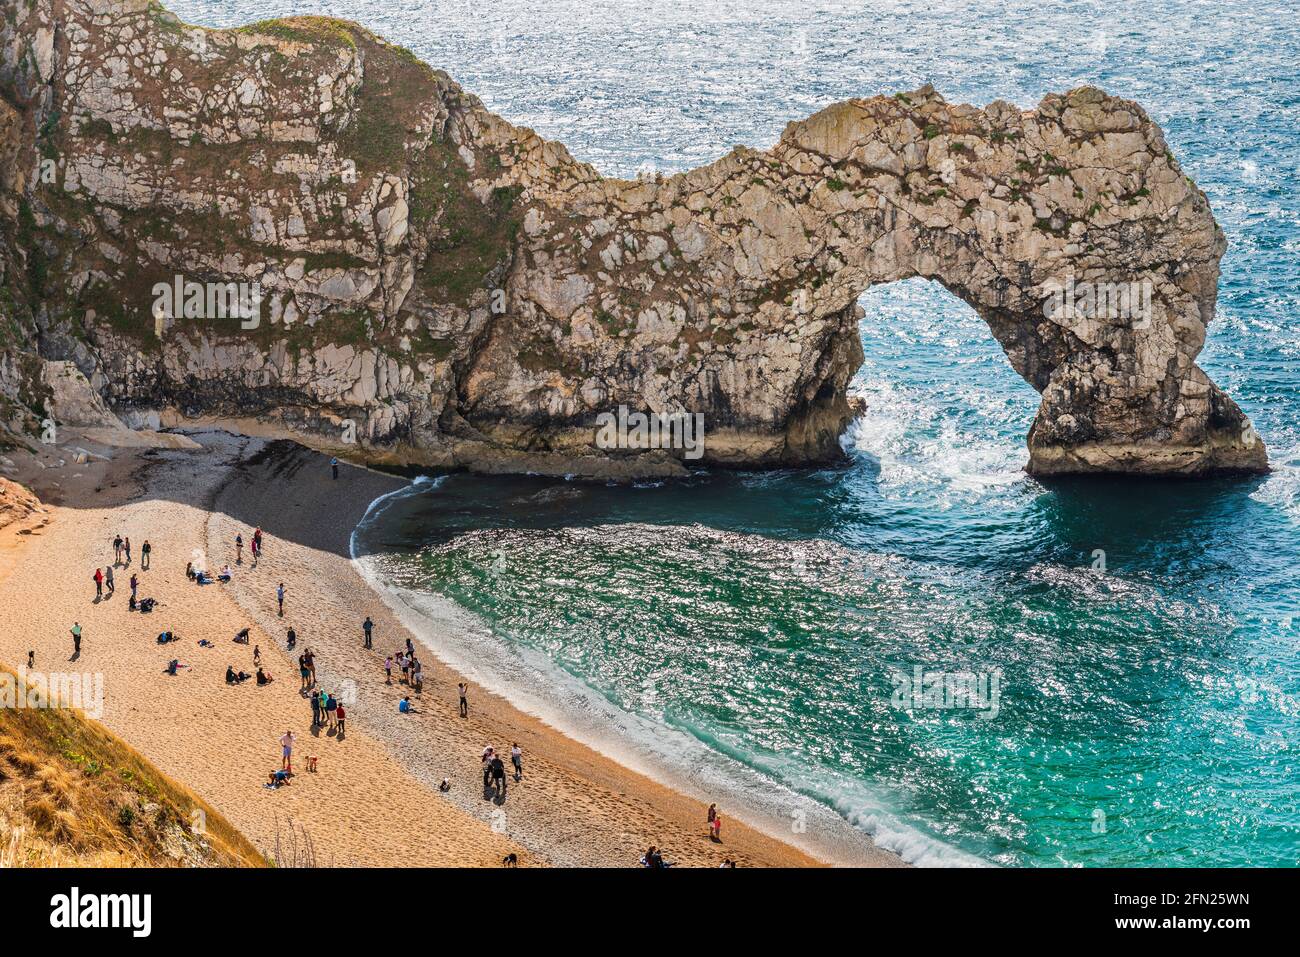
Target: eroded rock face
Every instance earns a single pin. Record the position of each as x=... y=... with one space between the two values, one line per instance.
x=458 y=291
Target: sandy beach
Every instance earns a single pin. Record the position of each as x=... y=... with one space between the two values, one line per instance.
x=375 y=798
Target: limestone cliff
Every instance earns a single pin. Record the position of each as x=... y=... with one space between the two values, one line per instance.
x=459 y=291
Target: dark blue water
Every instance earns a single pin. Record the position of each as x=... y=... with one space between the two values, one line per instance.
x=1148 y=712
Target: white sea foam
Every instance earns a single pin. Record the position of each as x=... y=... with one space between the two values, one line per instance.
x=843 y=824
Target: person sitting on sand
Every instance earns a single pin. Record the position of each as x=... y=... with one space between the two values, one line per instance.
x=173 y=666
x=263 y=678
x=226 y=573
x=445 y=786
x=292 y=638
x=189 y=570
x=233 y=677
x=201 y=578
x=405 y=707
x=241 y=636
x=167 y=637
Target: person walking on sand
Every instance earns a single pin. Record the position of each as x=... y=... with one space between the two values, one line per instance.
x=334 y=467
x=464 y=701
x=368 y=626
x=517 y=759
x=145 y=551
x=286 y=745
x=99 y=583
x=239 y=549
x=76 y=638
x=388 y=670
x=108 y=580
x=257 y=654
x=342 y=716
x=279 y=596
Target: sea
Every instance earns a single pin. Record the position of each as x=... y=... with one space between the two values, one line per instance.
x=925 y=648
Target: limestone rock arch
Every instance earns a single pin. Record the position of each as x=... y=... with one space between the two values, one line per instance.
x=461 y=292
x=765 y=253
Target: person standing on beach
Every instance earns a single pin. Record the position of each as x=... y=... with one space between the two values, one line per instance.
x=126 y=548
x=517 y=759
x=464 y=701
x=76 y=638
x=239 y=549
x=342 y=716
x=310 y=660
x=715 y=828
x=315 y=711
x=117 y=549
x=279 y=595
x=286 y=745
x=388 y=670
x=292 y=638
x=368 y=626
x=145 y=551
x=108 y=580
x=99 y=584
x=331 y=710
x=334 y=467
x=135 y=584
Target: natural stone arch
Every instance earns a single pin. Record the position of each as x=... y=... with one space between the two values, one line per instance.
x=464 y=293
x=996 y=204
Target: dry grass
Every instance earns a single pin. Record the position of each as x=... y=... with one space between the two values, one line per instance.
x=74 y=795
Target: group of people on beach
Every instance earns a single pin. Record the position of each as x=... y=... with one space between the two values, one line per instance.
x=105 y=584
x=494 y=769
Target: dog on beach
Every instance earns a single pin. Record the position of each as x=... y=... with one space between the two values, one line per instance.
x=510 y=860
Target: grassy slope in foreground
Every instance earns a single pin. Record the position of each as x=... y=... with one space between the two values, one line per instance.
x=74 y=795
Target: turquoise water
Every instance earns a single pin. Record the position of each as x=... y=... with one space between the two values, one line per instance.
x=1148 y=713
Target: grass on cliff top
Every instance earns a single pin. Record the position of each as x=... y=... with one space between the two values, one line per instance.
x=72 y=794
x=325 y=31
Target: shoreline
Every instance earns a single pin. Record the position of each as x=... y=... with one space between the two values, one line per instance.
x=375 y=801
x=635 y=793
x=668 y=756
